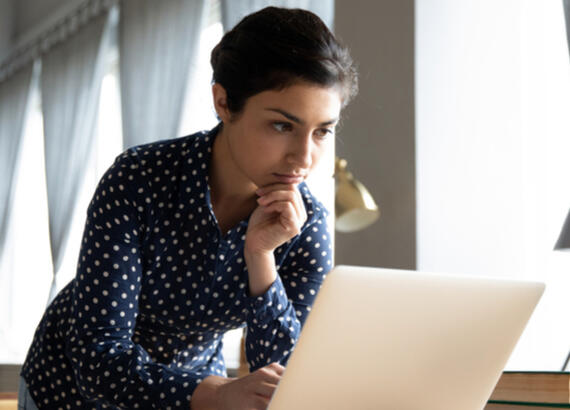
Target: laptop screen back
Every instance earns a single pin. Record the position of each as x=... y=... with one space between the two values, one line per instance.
x=404 y=340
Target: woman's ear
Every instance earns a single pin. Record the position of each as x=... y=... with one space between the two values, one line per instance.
x=221 y=102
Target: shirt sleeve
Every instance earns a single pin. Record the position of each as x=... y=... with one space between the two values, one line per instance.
x=276 y=317
x=108 y=366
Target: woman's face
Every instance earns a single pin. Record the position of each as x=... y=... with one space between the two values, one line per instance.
x=280 y=136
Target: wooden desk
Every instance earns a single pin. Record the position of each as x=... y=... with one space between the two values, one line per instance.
x=528 y=390
x=8 y=401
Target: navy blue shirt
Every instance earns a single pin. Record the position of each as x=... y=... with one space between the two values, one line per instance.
x=157 y=285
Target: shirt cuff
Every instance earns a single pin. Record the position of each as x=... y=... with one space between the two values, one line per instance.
x=269 y=306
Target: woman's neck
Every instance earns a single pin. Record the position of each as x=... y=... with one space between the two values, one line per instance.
x=232 y=194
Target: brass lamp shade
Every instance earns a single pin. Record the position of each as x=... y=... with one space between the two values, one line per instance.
x=355 y=208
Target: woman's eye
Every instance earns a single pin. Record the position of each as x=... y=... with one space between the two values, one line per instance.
x=323 y=132
x=282 y=126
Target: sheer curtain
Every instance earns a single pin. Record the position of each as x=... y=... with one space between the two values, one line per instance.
x=14 y=96
x=157 y=44
x=70 y=84
x=14 y=101
x=233 y=11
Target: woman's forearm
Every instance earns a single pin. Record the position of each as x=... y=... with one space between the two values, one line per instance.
x=261 y=270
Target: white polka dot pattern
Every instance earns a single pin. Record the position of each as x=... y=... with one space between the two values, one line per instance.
x=157 y=285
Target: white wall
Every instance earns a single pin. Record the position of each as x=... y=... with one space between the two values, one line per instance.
x=493 y=96
x=468 y=128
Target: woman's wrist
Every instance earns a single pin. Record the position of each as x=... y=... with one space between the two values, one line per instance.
x=261 y=270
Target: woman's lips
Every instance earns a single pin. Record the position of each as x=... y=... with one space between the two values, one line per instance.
x=289 y=178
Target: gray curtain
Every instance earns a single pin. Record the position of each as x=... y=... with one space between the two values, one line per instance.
x=15 y=94
x=234 y=10
x=71 y=78
x=158 y=41
x=14 y=97
x=567 y=17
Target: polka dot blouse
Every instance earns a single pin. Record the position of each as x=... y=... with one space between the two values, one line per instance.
x=157 y=285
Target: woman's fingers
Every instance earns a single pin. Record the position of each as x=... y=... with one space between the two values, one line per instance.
x=283 y=193
x=265 y=389
x=252 y=391
x=280 y=215
x=288 y=217
x=276 y=367
x=268 y=377
x=284 y=196
x=275 y=187
x=271 y=373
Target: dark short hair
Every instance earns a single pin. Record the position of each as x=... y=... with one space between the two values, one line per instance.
x=276 y=47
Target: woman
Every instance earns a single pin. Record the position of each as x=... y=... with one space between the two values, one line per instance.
x=188 y=238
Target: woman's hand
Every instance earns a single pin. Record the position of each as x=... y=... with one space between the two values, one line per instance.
x=279 y=217
x=251 y=392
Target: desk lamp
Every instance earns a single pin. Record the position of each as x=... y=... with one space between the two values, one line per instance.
x=563 y=243
x=355 y=208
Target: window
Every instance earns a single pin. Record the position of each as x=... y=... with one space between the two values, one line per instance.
x=27 y=262
x=198 y=113
x=28 y=254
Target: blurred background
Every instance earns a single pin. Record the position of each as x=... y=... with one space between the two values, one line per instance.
x=460 y=132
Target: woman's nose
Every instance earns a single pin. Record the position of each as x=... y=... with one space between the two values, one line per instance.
x=300 y=153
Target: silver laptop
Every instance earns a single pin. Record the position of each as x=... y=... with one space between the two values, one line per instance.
x=402 y=340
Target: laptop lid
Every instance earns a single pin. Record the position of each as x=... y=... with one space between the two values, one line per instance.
x=404 y=340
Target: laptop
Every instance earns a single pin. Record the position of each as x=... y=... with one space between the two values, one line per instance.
x=404 y=340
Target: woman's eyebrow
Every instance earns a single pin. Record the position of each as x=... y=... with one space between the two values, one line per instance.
x=297 y=120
